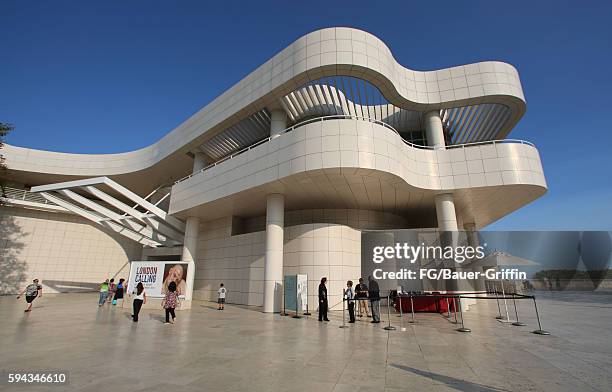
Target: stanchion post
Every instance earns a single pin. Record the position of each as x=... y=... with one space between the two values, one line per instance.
x=507 y=319
x=455 y=309
x=343 y=312
x=463 y=328
x=517 y=323
x=399 y=297
x=412 y=321
x=499 y=316
x=538 y=331
x=389 y=327
x=448 y=308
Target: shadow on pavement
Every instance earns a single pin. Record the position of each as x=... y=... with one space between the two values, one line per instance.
x=452 y=382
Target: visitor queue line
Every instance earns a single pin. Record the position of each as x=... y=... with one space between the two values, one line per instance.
x=453 y=300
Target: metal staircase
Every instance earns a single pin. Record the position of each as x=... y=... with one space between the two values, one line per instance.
x=105 y=203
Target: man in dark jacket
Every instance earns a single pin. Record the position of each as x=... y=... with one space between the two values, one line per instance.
x=374 y=295
x=323 y=300
x=361 y=293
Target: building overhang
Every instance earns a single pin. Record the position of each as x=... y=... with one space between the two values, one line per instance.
x=356 y=164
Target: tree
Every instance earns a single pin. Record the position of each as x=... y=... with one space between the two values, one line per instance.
x=5 y=128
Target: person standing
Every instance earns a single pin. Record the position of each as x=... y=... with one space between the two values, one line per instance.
x=323 y=300
x=349 y=294
x=112 y=288
x=103 y=293
x=361 y=292
x=31 y=291
x=170 y=302
x=221 y=297
x=140 y=298
x=119 y=292
x=374 y=295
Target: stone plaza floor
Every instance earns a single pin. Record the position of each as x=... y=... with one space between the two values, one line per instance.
x=243 y=349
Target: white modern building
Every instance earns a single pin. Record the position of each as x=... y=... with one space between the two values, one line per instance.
x=279 y=175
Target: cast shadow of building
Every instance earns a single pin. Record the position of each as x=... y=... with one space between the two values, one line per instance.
x=12 y=269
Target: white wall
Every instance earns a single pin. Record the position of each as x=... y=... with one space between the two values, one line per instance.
x=321 y=249
x=64 y=251
x=237 y=261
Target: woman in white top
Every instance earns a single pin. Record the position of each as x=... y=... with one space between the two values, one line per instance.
x=140 y=298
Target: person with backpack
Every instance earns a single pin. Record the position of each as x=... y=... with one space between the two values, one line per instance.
x=221 y=300
x=374 y=296
x=32 y=291
x=119 y=291
x=170 y=302
x=140 y=298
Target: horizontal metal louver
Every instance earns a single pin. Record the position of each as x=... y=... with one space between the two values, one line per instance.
x=351 y=96
x=246 y=132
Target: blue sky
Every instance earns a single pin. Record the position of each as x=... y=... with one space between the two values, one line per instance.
x=101 y=77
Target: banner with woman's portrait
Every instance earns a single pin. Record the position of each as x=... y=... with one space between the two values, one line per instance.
x=157 y=275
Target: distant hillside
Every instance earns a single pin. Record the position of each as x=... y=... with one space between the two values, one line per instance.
x=573 y=274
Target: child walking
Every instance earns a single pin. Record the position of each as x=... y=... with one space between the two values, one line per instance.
x=170 y=302
x=221 y=301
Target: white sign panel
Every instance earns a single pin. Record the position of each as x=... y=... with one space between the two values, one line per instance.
x=156 y=276
x=302 y=292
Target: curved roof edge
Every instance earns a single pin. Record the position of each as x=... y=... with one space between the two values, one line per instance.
x=326 y=52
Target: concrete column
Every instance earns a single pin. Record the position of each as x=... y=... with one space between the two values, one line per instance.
x=447 y=226
x=273 y=267
x=472 y=240
x=278 y=122
x=190 y=244
x=445 y=211
x=471 y=234
x=434 y=130
x=199 y=161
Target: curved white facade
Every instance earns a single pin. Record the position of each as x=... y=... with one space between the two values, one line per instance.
x=322 y=140
x=368 y=158
x=331 y=51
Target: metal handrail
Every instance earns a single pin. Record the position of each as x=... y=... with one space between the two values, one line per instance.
x=23 y=194
x=350 y=117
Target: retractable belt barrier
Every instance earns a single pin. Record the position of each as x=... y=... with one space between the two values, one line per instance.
x=456 y=303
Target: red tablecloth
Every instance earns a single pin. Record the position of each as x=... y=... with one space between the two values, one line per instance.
x=424 y=304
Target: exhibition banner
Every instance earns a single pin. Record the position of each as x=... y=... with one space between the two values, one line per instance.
x=157 y=275
x=302 y=292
